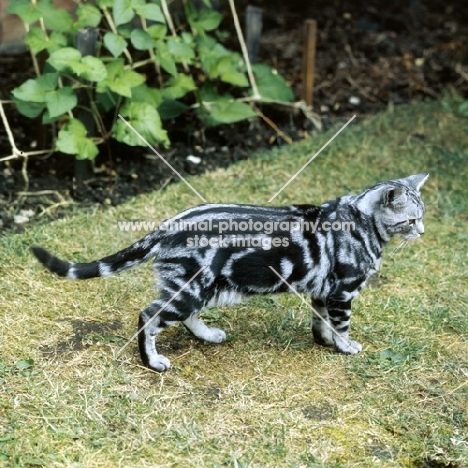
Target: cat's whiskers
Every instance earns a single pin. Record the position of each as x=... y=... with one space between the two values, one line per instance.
x=400 y=246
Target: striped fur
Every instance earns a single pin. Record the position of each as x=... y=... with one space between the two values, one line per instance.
x=330 y=265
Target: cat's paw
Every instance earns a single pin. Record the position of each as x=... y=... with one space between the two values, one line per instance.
x=215 y=335
x=346 y=346
x=159 y=363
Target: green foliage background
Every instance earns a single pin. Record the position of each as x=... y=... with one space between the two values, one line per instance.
x=192 y=72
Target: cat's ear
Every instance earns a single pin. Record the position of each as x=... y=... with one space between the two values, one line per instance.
x=416 y=181
x=395 y=196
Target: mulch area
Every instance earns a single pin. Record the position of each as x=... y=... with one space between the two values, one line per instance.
x=370 y=55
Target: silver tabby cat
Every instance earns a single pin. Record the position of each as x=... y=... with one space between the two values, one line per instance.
x=216 y=253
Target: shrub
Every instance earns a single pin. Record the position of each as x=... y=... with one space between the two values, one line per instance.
x=190 y=71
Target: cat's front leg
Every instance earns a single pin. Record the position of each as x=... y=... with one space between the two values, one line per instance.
x=321 y=328
x=340 y=319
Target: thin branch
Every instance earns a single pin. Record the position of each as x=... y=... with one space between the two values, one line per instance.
x=24 y=173
x=168 y=17
x=170 y=23
x=460 y=71
x=111 y=24
x=11 y=139
x=151 y=53
x=141 y=63
x=272 y=124
x=33 y=55
x=256 y=95
x=16 y=153
x=42 y=192
x=55 y=205
x=23 y=154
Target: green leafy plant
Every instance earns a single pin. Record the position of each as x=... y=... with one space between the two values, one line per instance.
x=144 y=70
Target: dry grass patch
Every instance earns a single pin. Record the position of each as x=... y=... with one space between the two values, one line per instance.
x=267 y=397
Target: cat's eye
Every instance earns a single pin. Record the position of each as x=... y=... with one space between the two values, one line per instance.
x=411 y=221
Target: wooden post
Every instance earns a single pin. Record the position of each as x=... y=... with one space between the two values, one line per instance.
x=86 y=39
x=308 y=61
x=253 y=30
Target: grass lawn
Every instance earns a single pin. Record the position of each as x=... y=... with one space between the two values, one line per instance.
x=268 y=397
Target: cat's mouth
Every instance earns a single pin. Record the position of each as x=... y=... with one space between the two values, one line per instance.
x=409 y=237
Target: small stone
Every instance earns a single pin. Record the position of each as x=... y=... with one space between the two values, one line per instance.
x=291 y=50
x=23 y=216
x=193 y=159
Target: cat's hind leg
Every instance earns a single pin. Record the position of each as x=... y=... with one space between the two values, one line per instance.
x=170 y=308
x=182 y=307
x=151 y=323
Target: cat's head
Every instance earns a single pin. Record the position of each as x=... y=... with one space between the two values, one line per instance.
x=397 y=207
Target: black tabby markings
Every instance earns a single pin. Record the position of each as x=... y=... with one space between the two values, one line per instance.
x=54 y=264
x=330 y=266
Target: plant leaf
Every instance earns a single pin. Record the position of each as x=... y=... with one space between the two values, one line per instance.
x=165 y=58
x=179 y=86
x=25 y=9
x=462 y=109
x=88 y=16
x=36 y=40
x=141 y=40
x=157 y=31
x=388 y=354
x=60 y=101
x=207 y=20
x=180 y=50
x=143 y=93
x=95 y=69
x=272 y=86
x=24 y=364
x=144 y=118
x=132 y=78
x=151 y=12
x=122 y=12
x=105 y=3
x=211 y=54
x=65 y=59
x=72 y=139
x=229 y=112
x=115 y=44
x=119 y=80
x=208 y=93
x=170 y=109
x=235 y=78
x=106 y=101
x=33 y=90
x=56 y=41
x=56 y=19
x=29 y=109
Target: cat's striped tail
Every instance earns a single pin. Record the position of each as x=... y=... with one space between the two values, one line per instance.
x=134 y=255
